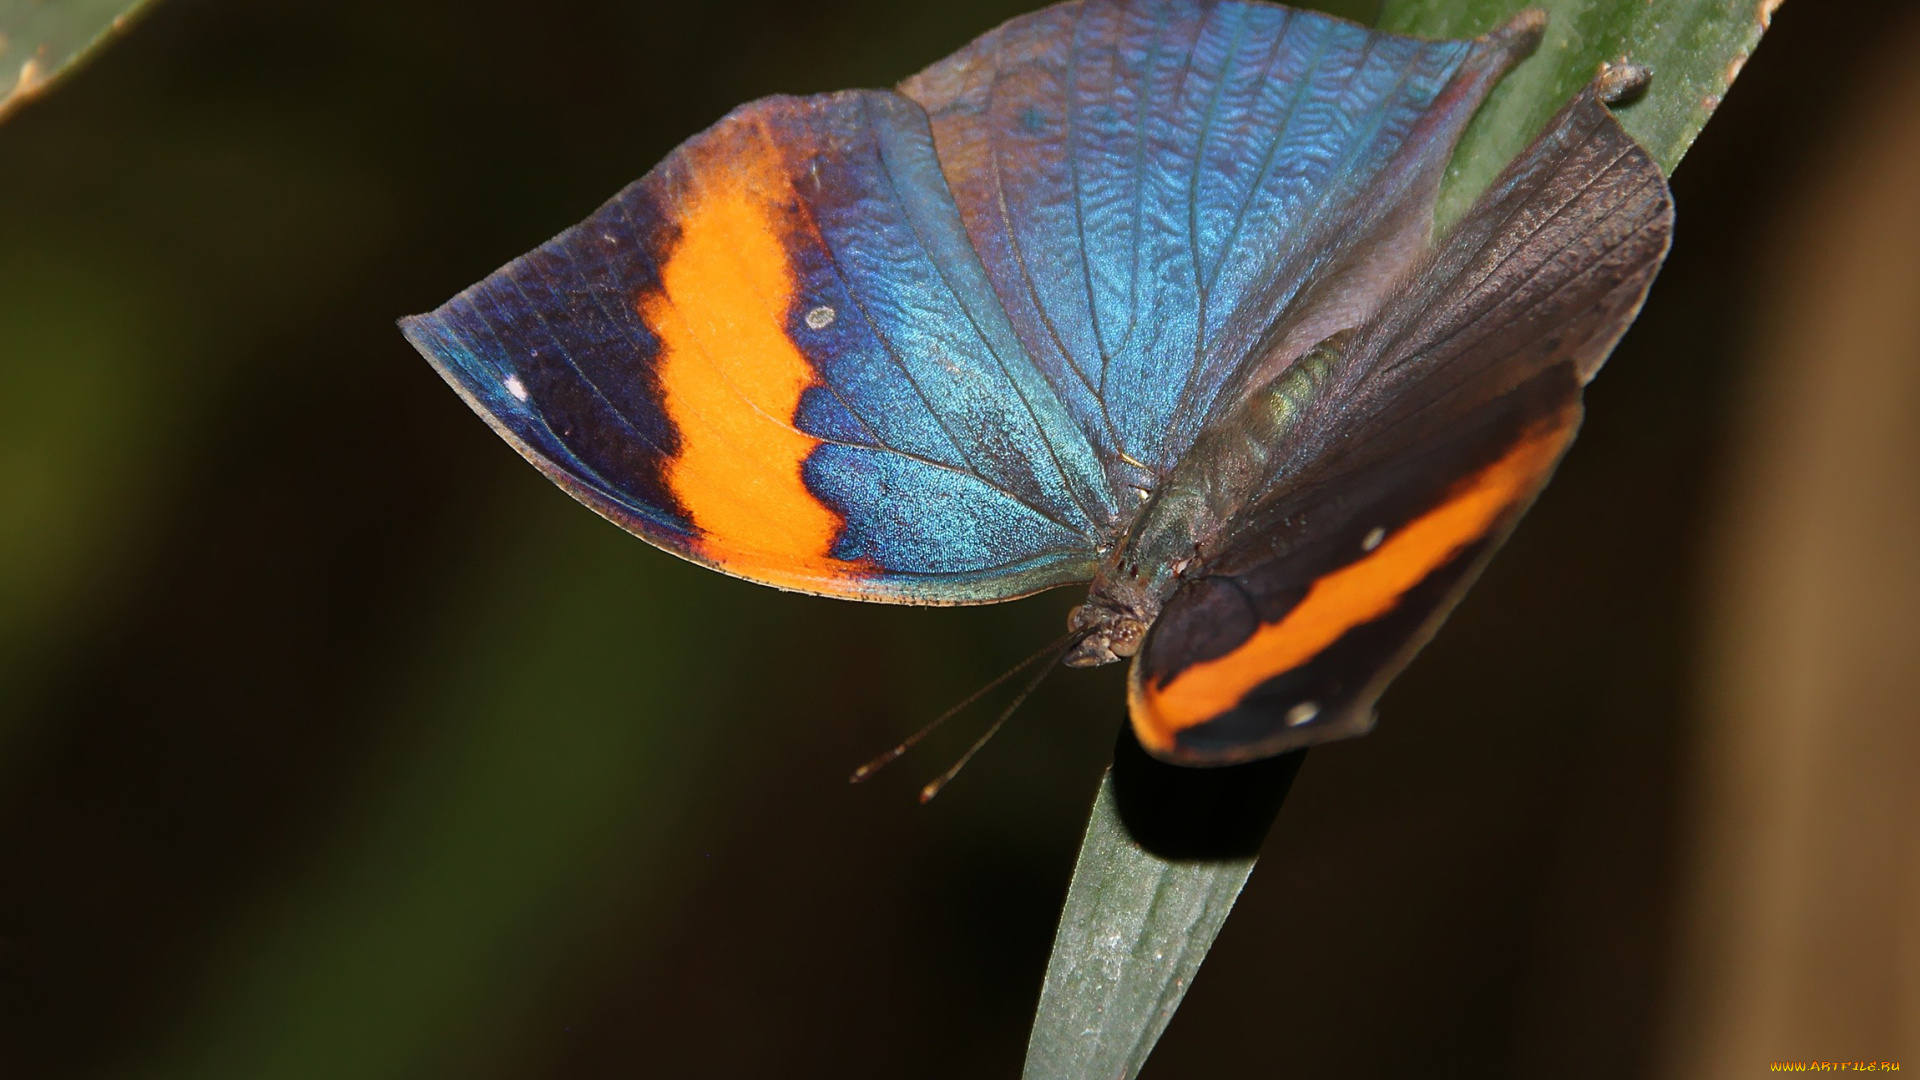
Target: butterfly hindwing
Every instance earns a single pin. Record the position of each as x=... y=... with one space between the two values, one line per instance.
x=1450 y=412
x=1289 y=639
x=776 y=354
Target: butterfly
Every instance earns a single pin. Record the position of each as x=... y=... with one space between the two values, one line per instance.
x=1139 y=294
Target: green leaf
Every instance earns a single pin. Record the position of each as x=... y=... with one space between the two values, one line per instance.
x=1139 y=918
x=1695 y=48
x=1163 y=860
x=42 y=41
x=1143 y=925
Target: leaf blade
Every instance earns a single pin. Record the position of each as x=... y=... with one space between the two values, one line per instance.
x=1133 y=934
x=1166 y=853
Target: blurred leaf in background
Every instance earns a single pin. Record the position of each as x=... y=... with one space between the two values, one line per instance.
x=44 y=40
x=121 y=302
x=1799 y=904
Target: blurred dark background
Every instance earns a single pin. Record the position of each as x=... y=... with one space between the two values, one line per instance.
x=335 y=742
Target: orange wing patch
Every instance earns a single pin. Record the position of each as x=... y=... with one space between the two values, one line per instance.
x=731 y=378
x=1345 y=598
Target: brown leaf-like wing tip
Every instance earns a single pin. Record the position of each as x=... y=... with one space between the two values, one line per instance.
x=1621 y=81
x=1522 y=33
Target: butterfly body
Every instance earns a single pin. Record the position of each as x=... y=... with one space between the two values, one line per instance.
x=1136 y=294
x=1190 y=514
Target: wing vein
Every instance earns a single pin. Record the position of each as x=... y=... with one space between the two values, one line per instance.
x=1273 y=148
x=1199 y=160
x=1494 y=303
x=1080 y=213
x=1053 y=454
x=553 y=338
x=866 y=316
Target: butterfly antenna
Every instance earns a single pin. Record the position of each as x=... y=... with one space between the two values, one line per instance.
x=1058 y=649
x=1059 y=645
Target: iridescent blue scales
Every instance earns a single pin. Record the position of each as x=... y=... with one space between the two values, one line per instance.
x=1087 y=300
x=1152 y=185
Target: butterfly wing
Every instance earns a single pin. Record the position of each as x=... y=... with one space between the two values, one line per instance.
x=777 y=355
x=1446 y=418
x=1151 y=185
x=909 y=346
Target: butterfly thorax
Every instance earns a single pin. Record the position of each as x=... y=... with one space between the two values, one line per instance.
x=1189 y=517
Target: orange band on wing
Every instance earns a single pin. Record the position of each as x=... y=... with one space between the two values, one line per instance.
x=1348 y=597
x=731 y=378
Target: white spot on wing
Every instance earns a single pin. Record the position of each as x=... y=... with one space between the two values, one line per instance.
x=1302 y=713
x=517 y=388
x=1373 y=538
x=821 y=317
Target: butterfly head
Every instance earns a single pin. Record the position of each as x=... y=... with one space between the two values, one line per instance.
x=1107 y=634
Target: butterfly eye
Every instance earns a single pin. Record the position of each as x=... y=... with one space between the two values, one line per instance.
x=1303 y=712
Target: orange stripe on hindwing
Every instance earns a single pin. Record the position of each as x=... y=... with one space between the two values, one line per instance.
x=731 y=378
x=1348 y=597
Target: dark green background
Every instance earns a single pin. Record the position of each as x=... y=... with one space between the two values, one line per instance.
x=334 y=742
